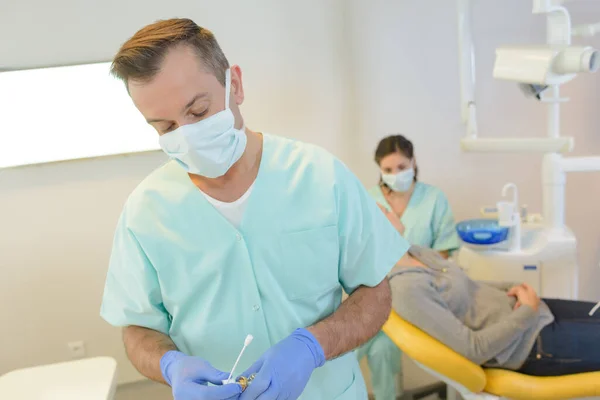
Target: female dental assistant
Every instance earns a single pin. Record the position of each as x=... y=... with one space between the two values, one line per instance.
x=422 y=214
x=423 y=210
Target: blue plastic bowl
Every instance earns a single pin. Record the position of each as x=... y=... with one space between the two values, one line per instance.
x=481 y=231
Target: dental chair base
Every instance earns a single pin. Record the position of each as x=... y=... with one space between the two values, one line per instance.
x=473 y=382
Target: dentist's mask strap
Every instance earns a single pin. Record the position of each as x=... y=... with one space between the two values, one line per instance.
x=227 y=87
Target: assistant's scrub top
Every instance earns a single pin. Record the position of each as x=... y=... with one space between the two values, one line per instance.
x=428 y=219
x=310 y=229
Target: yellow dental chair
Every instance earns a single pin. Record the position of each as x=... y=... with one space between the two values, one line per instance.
x=473 y=382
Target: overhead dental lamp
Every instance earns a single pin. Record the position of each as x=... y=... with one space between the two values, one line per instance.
x=539 y=249
x=544 y=65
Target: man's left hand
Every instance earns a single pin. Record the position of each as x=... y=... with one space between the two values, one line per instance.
x=284 y=370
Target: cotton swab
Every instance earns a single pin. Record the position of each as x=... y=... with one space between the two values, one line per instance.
x=247 y=342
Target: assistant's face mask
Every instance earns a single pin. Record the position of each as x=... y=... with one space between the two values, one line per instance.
x=208 y=147
x=400 y=182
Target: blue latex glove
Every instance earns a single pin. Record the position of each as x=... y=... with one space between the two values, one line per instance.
x=189 y=378
x=284 y=370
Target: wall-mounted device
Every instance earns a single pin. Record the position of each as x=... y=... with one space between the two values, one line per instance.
x=544 y=65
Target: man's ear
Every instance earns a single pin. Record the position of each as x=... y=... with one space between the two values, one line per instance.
x=237 y=87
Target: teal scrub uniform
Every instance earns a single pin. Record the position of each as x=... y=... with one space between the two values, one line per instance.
x=310 y=230
x=428 y=222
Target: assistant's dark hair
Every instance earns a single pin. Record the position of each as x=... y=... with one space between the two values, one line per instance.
x=395 y=144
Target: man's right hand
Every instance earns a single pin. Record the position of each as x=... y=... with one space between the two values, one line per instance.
x=525 y=296
x=189 y=377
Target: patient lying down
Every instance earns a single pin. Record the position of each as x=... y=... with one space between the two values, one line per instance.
x=495 y=325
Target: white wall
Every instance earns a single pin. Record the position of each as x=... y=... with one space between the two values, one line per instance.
x=406 y=73
x=55 y=239
x=58 y=219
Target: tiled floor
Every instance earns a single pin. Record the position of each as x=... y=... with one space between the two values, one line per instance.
x=144 y=391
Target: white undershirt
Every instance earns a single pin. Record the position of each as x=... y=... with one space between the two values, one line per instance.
x=234 y=211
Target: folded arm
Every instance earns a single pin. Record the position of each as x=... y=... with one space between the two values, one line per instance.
x=420 y=304
x=504 y=286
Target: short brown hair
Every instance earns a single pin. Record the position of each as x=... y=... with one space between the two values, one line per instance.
x=141 y=57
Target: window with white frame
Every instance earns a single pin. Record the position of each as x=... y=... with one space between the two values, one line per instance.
x=66 y=113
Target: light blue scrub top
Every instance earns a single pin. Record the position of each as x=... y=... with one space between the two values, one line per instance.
x=310 y=229
x=428 y=219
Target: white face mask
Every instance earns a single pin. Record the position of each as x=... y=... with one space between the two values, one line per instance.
x=208 y=147
x=400 y=182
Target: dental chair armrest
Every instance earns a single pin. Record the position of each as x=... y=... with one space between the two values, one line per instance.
x=434 y=355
